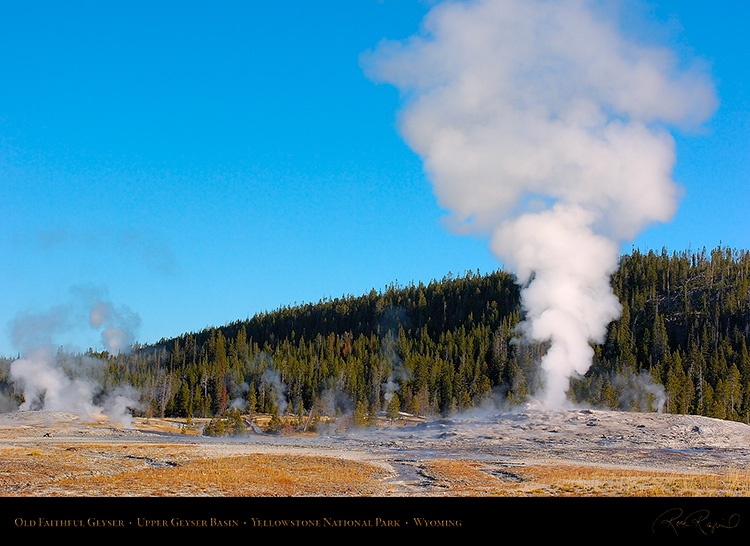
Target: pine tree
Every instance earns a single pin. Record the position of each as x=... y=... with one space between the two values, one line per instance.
x=393 y=408
x=360 y=415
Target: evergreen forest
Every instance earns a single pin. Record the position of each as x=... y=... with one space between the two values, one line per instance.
x=451 y=345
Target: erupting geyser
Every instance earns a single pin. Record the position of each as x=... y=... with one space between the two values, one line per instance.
x=542 y=125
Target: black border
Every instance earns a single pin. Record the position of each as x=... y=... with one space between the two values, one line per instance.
x=316 y=517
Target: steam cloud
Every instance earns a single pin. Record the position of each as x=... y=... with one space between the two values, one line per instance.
x=544 y=127
x=60 y=382
x=275 y=388
x=88 y=305
x=52 y=379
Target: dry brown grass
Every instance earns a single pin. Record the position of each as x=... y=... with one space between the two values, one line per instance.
x=35 y=470
x=93 y=469
x=474 y=478
x=249 y=475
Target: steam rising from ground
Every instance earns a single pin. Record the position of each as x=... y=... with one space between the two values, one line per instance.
x=69 y=383
x=544 y=127
x=54 y=379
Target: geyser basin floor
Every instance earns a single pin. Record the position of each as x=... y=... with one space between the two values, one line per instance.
x=535 y=453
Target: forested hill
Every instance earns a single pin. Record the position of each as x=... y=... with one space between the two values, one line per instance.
x=451 y=345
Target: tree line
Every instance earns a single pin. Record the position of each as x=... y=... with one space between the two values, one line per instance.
x=679 y=346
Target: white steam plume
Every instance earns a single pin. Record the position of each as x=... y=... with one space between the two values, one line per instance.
x=116 y=325
x=52 y=379
x=275 y=388
x=543 y=126
x=57 y=382
x=47 y=386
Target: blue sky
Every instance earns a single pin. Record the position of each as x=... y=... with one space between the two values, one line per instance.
x=198 y=162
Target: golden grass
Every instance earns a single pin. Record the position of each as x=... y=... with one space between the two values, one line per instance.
x=91 y=470
x=170 y=470
x=247 y=475
x=33 y=470
x=473 y=478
